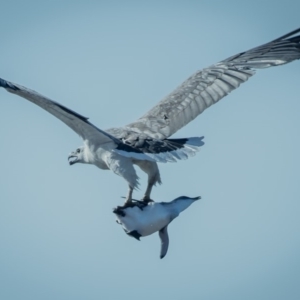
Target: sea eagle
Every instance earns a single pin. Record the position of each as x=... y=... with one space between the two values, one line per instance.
x=146 y=141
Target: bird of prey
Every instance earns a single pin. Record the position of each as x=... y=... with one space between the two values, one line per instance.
x=146 y=141
x=142 y=218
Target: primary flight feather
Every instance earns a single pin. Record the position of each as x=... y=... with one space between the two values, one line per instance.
x=146 y=141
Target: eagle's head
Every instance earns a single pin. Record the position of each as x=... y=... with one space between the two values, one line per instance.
x=77 y=156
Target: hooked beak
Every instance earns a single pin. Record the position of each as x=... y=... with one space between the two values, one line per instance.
x=73 y=159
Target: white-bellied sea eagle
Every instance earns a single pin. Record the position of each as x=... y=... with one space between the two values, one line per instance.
x=147 y=140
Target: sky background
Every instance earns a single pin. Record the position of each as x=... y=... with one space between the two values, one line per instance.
x=112 y=61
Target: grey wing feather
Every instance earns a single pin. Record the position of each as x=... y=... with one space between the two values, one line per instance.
x=75 y=121
x=211 y=84
x=164 y=238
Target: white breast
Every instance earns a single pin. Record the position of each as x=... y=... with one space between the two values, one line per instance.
x=152 y=218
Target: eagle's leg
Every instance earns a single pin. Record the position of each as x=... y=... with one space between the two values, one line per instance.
x=129 y=196
x=151 y=169
x=146 y=197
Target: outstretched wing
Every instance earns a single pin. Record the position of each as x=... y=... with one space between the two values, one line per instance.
x=209 y=85
x=75 y=121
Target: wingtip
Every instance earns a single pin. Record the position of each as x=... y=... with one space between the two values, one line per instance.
x=290 y=34
x=7 y=85
x=3 y=83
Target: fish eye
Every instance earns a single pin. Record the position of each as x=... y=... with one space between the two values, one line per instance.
x=78 y=150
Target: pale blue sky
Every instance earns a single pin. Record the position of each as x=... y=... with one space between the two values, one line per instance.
x=113 y=62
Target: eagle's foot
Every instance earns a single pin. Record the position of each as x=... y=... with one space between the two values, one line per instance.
x=128 y=202
x=146 y=199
